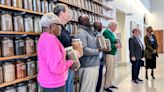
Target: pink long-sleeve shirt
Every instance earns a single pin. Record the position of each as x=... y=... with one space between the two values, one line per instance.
x=53 y=67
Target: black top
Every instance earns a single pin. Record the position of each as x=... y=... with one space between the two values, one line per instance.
x=65 y=37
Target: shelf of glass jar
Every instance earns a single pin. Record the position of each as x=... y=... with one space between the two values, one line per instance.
x=17 y=57
x=70 y=4
x=104 y=6
x=17 y=81
x=19 y=9
x=18 y=33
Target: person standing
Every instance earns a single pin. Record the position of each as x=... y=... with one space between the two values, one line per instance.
x=62 y=11
x=88 y=72
x=100 y=84
x=136 y=49
x=150 y=51
x=53 y=67
x=110 y=56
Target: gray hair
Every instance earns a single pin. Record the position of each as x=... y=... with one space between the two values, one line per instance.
x=48 y=19
x=59 y=8
x=111 y=23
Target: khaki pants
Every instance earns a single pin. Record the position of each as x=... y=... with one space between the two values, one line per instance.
x=110 y=74
x=88 y=79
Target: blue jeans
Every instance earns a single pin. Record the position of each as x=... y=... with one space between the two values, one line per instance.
x=70 y=81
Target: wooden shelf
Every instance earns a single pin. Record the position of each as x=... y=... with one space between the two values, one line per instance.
x=104 y=6
x=16 y=57
x=19 y=9
x=17 y=33
x=106 y=17
x=17 y=81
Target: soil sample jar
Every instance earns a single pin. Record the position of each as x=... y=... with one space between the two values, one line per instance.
x=38 y=8
x=40 y=89
x=108 y=44
x=9 y=72
x=7 y=47
x=37 y=25
x=77 y=45
x=25 y=4
x=17 y=3
x=19 y=46
x=6 y=2
x=44 y=6
x=34 y=5
x=28 y=24
x=72 y=55
x=36 y=44
x=6 y=22
x=18 y=23
x=30 y=46
x=1 y=73
x=101 y=42
x=10 y=89
x=31 y=67
x=20 y=69
x=32 y=86
x=22 y=87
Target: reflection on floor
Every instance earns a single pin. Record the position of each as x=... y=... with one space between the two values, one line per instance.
x=123 y=77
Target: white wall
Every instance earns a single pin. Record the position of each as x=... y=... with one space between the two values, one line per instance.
x=156 y=17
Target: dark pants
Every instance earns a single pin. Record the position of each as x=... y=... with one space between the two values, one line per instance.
x=60 y=89
x=135 y=69
x=99 y=82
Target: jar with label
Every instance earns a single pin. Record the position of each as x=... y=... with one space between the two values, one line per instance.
x=22 y=87
x=6 y=22
x=31 y=67
x=38 y=8
x=6 y=2
x=72 y=55
x=25 y=4
x=32 y=86
x=1 y=73
x=18 y=23
x=30 y=6
x=19 y=46
x=20 y=69
x=14 y=3
x=44 y=6
x=7 y=47
x=10 y=89
x=101 y=42
x=40 y=89
x=30 y=46
x=108 y=44
x=9 y=72
x=77 y=45
x=28 y=24
x=37 y=25
x=34 y=5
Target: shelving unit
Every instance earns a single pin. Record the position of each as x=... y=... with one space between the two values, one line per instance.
x=17 y=81
x=17 y=33
x=17 y=57
x=101 y=15
x=104 y=6
x=19 y=9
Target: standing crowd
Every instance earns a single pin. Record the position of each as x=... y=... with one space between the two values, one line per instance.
x=96 y=65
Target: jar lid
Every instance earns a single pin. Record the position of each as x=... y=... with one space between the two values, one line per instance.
x=21 y=84
x=69 y=48
x=76 y=39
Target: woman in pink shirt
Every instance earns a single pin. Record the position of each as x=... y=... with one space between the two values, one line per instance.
x=53 y=67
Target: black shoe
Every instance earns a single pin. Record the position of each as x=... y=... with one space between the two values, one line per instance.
x=152 y=75
x=108 y=90
x=113 y=87
x=139 y=80
x=135 y=81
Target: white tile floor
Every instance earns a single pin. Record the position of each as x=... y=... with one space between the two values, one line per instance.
x=123 y=79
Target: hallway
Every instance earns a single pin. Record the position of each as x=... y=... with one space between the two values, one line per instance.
x=157 y=85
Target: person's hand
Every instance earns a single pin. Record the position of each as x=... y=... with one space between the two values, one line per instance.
x=118 y=45
x=105 y=49
x=154 y=51
x=133 y=58
x=75 y=66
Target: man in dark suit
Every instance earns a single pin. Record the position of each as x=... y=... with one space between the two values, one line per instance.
x=136 y=49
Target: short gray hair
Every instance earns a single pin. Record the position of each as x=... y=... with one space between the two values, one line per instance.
x=59 y=8
x=48 y=19
x=111 y=23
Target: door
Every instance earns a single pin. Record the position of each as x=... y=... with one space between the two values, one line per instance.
x=159 y=36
